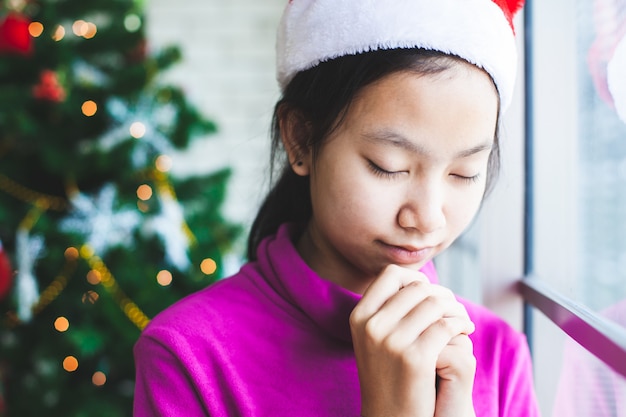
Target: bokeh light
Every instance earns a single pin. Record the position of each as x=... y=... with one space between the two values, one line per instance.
x=89 y=108
x=92 y=29
x=71 y=253
x=137 y=130
x=35 y=29
x=94 y=277
x=70 y=363
x=208 y=266
x=79 y=28
x=61 y=324
x=163 y=163
x=59 y=33
x=132 y=23
x=144 y=192
x=164 y=278
x=98 y=378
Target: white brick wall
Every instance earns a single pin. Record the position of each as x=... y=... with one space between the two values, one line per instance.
x=228 y=73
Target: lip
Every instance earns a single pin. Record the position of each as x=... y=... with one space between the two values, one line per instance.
x=407 y=254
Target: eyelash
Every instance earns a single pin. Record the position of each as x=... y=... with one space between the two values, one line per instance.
x=469 y=180
x=378 y=171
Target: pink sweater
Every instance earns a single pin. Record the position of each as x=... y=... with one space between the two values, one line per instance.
x=274 y=340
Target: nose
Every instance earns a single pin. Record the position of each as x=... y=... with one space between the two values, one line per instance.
x=423 y=209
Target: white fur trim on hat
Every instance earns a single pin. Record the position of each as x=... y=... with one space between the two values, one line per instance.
x=313 y=31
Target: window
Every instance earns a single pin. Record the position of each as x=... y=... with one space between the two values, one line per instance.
x=576 y=207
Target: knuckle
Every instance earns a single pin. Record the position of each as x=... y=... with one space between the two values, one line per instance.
x=434 y=301
x=392 y=346
x=373 y=331
x=447 y=293
x=356 y=317
x=445 y=325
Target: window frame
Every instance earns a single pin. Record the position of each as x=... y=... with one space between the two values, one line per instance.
x=596 y=334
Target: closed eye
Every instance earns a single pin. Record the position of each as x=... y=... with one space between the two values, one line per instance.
x=470 y=180
x=380 y=172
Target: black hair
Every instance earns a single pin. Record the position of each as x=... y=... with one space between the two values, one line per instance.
x=320 y=97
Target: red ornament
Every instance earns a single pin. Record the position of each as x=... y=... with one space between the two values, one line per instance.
x=6 y=273
x=49 y=88
x=138 y=53
x=14 y=35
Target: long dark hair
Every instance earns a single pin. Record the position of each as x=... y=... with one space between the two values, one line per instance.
x=321 y=96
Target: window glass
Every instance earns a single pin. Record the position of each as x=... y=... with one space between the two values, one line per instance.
x=571 y=381
x=580 y=149
x=578 y=125
x=602 y=160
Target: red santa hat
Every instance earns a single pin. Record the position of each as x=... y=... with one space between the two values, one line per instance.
x=479 y=31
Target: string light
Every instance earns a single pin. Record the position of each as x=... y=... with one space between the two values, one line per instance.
x=89 y=108
x=92 y=29
x=71 y=253
x=79 y=28
x=98 y=378
x=70 y=363
x=208 y=266
x=132 y=23
x=164 y=278
x=144 y=192
x=163 y=163
x=94 y=277
x=137 y=130
x=59 y=33
x=61 y=324
x=35 y=29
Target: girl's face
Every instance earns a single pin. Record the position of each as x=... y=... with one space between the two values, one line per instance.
x=402 y=176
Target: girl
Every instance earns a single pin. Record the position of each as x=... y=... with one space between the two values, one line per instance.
x=388 y=119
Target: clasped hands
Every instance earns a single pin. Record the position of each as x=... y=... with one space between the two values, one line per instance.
x=412 y=347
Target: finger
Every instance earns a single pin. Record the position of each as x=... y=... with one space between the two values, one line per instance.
x=398 y=305
x=438 y=335
x=413 y=309
x=391 y=280
x=456 y=359
x=429 y=312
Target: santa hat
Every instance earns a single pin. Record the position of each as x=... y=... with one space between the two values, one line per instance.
x=479 y=31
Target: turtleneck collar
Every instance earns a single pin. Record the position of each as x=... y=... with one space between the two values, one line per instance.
x=324 y=302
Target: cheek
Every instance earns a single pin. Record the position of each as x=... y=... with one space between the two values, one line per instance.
x=464 y=206
x=349 y=200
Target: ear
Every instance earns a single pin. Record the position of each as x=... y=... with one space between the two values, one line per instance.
x=294 y=133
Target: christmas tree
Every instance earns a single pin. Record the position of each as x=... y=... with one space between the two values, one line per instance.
x=96 y=235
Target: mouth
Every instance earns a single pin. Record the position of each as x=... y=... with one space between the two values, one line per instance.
x=407 y=254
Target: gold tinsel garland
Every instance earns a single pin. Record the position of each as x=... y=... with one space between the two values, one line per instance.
x=30 y=196
x=42 y=202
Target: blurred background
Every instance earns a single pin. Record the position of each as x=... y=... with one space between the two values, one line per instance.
x=133 y=151
x=134 y=147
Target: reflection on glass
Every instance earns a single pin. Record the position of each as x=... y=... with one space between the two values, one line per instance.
x=602 y=157
x=587 y=387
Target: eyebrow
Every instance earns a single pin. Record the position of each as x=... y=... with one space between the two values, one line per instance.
x=389 y=137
